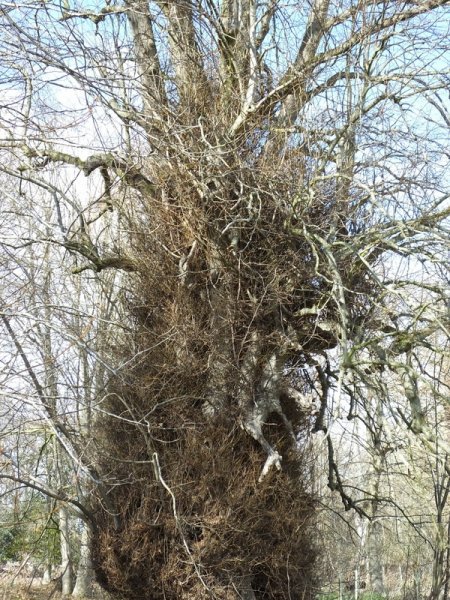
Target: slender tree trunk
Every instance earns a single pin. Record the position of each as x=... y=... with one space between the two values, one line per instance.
x=375 y=530
x=66 y=558
x=47 y=576
x=447 y=564
x=83 y=583
x=375 y=555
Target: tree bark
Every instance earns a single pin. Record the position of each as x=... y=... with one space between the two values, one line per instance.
x=47 y=576
x=83 y=583
x=66 y=555
x=375 y=557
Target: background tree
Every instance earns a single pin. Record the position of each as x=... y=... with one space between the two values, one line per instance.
x=273 y=177
x=401 y=482
x=49 y=387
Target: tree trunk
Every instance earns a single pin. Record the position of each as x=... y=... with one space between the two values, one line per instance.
x=47 y=576
x=48 y=560
x=83 y=583
x=66 y=558
x=375 y=556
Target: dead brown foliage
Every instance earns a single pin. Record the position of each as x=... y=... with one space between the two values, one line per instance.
x=232 y=525
x=223 y=282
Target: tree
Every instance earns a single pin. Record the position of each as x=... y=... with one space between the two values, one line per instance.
x=271 y=181
x=402 y=483
x=50 y=382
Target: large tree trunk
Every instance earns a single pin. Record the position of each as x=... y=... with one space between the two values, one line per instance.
x=83 y=583
x=254 y=212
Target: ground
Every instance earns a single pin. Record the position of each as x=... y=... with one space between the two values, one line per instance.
x=27 y=589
